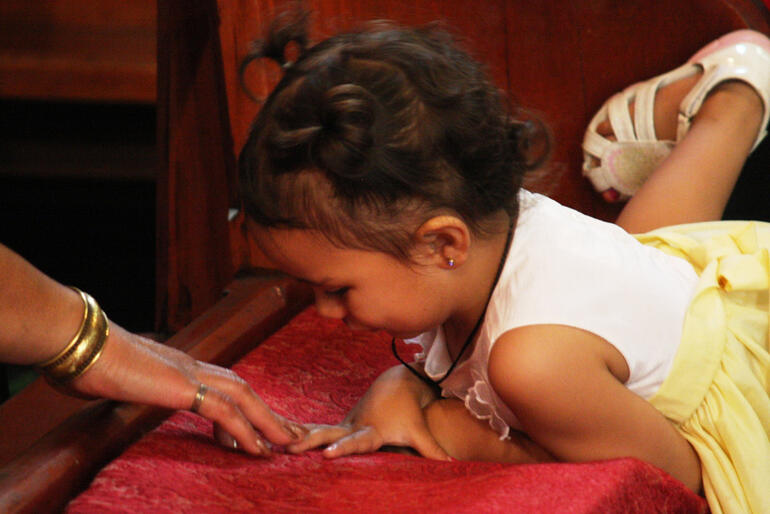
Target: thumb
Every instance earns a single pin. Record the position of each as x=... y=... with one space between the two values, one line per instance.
x=424 y=442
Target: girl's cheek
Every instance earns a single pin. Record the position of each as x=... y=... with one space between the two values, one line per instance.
x=361 y=310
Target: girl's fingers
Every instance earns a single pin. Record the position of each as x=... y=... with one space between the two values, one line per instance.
x=364 y=440
x=319 y=435
x=367 y=440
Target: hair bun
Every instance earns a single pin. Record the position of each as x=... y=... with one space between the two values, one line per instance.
x=347 y=114
x=289 y=26
x=531 y=141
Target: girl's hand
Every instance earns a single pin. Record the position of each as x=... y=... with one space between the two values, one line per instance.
x=390 y=413
x=136 y=369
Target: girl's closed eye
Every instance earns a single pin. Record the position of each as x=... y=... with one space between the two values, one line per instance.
x=340 y=291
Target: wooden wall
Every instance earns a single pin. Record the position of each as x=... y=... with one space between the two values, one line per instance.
x=78 y=49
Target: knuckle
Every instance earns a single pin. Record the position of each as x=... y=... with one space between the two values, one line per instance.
x=235 y=378
x=224 y=408
x=241 y=387
x=233 y=382
x=192 y=365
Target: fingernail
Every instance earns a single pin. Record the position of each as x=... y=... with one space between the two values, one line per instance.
x=263 y=447
x=331 y=447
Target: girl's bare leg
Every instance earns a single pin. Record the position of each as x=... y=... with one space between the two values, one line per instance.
x=695 y=181
x=464 y=437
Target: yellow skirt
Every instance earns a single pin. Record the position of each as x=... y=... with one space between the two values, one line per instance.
x=718 y=391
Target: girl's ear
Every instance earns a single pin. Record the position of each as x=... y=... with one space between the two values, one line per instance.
x=442 y=240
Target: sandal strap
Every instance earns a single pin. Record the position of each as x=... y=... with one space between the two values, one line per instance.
x=644 y=111
x=626 y=130
x=621 y=164
x=642 y=126
x=594 y=143
x=757 y=77
x=644 y=107
x=620 y=118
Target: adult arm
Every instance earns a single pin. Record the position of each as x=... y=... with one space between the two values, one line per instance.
x=39 y=317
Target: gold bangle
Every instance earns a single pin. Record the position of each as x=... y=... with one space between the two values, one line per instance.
x=83 y=350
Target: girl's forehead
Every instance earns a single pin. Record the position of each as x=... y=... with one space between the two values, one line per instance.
x=307 y=255
x=285 y=242
x=290 y=251
x=293 y=250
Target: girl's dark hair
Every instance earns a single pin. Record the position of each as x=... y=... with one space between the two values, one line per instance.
x=371 y=130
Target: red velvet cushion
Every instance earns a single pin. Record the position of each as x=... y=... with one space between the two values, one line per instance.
x=315 y=370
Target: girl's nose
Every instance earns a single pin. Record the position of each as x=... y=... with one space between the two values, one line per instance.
x=328 y=306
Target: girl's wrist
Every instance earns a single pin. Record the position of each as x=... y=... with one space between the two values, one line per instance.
x=422 y=391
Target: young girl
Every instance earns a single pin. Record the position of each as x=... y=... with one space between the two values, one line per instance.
x=385 y=171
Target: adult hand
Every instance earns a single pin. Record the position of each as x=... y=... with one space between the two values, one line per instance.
x=38 y=316
x=390 y=413
x=135 y=369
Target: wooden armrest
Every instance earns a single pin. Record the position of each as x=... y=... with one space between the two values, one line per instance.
x=40 y=474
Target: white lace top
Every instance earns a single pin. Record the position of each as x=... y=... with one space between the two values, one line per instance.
x=569 y=269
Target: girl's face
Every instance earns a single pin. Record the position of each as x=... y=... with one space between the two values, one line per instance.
x=368 y=290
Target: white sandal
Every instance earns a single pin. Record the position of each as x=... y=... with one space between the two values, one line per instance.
x=623 y=165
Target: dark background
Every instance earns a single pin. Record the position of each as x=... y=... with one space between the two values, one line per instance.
x=77 y=200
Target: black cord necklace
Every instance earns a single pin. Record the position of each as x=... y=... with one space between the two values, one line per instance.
x=436 y=384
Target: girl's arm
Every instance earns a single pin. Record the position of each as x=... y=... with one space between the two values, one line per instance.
x=390 y=413
x=400 y=410
x=465 y=437
x=566 y=387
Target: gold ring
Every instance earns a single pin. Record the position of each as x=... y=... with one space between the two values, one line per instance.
x=199 y=396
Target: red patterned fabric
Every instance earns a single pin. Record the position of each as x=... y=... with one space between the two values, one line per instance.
x=315 y=370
